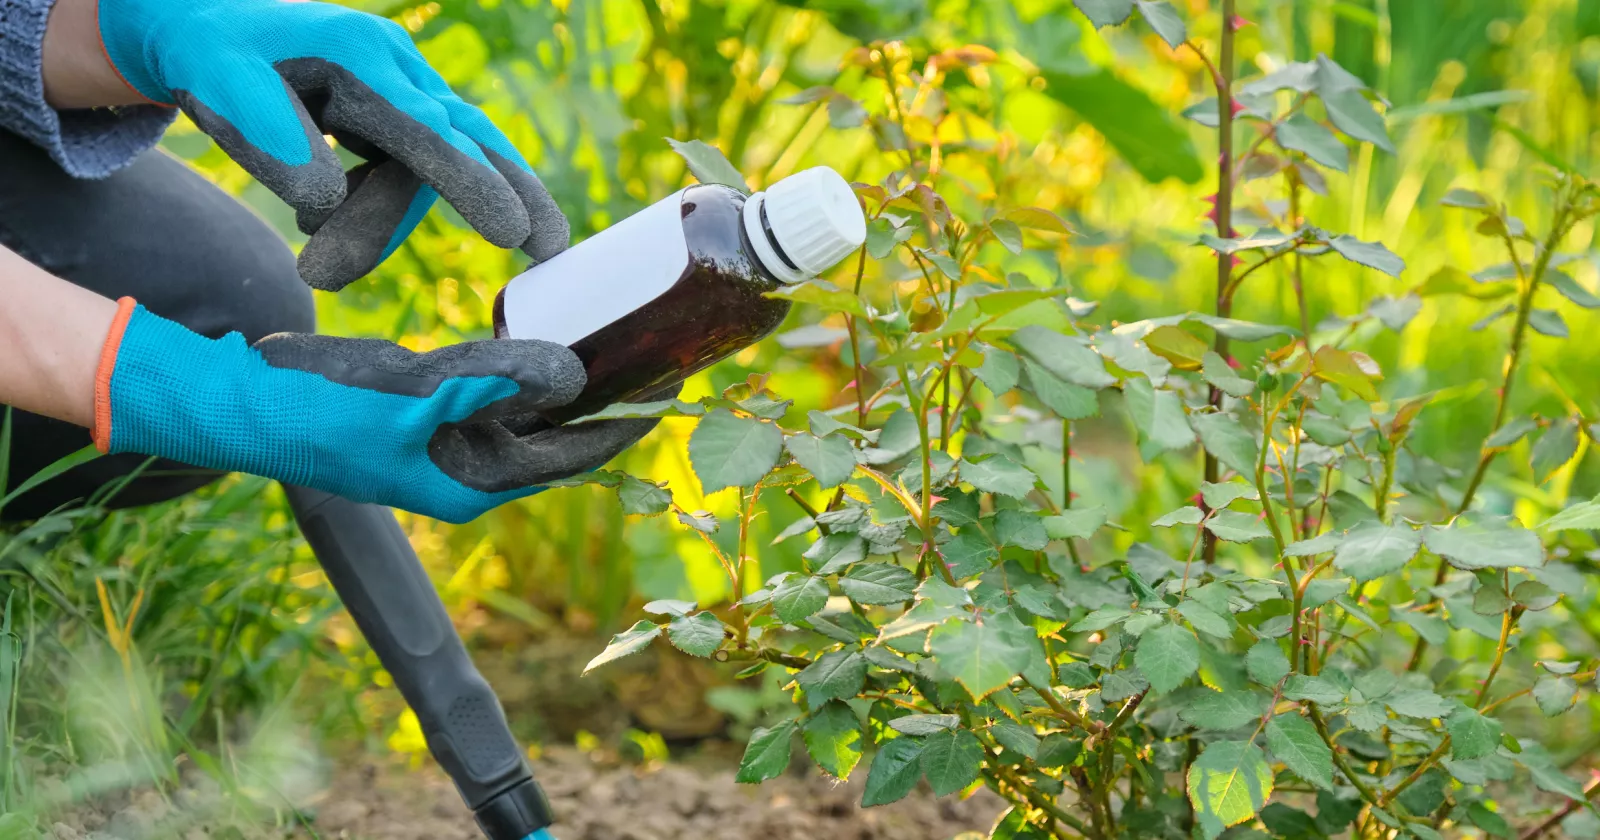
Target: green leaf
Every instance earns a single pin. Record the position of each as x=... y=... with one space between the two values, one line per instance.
x=1300 y=133
x=1069 y=359
x=1205 y=620
x=1489 y=821
x=879 y=583
x=1022 y=529
x=1000 y=370
x=1167 y=656
x=1187 y=515
x=838 y=675
x=1369 y=254
x=697 y=635
x=1324 y=590
x=1234 y=526
x=668 y=606
x=1490 y=599
x=799 y=597
x=984 y=655
x=1570 y=289
x=629 y=641
x=998 y=474
x=1100 y=619
x=1176 y=345
x=1548 y=322
x=1105 y=12
x=1228 y=784
x=1165 y=21
x=767 y=754
x=1510 y=433
x=1419 y=704
x=1295 y=742
x=924 y=724
x=833 y=737
x=1158 y=414
x=1374 y=550
x=1466 y=199
x=1396 y=313
x=835 y=552
x=1583 y=516
x=1016 y=738
x=1349 y=110
x=708 y=164
x=1007 y=234
x=1534 y=595
x=830 y=460
x=1471 y=734
x=1228 y=439
x=643 y=498
x=1266 y=663
x=1068 y=401
x=968 y=554
x=1318 y=690
x=1224 y=710
x=895 y=771
x=1555 y=448
x=950 y=760
x=1316 y=545
x=1215 y=370
x=1143 y=132
x=1486 y=545
x=727 y=450
x=1220 y=495
x=1555 y=695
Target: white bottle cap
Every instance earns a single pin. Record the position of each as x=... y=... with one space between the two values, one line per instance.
x=804 y=224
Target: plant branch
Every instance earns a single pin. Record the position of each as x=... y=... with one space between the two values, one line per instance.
x=1555 y=819
x=1222 y=80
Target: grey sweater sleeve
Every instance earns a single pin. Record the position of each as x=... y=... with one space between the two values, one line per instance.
x=86 y=143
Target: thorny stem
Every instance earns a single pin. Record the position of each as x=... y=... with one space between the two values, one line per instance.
x=1055 y=704
x=1296 y=276
x=1507 y=621
x=1555 y=819
x=1066 y=483
x=1107 y=757
x=1222 y=80
x=1528 y=284
x=1034 y=797
x=1338 y=758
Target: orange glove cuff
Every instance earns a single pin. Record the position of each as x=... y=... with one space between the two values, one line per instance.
x=102 y=375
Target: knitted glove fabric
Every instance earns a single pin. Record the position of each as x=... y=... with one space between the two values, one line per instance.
x=361 y=418
x=267 y=78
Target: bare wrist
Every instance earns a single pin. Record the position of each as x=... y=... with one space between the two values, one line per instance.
x=76 y=72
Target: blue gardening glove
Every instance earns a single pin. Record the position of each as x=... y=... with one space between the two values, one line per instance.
x=361 y=418
x=267 y=78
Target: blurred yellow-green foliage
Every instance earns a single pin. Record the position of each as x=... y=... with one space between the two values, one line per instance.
x=1479 y=92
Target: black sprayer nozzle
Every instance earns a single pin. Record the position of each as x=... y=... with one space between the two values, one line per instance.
x=515 y=814
x=371 y=565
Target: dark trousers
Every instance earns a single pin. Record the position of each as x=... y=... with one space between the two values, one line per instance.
x=158 y=232
x=164 y=235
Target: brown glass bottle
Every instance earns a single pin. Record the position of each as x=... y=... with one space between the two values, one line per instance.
x=680 y=286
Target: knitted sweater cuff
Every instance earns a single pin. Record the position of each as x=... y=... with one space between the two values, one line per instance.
x=87 y=143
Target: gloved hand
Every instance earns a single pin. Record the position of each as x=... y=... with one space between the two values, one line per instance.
x=361 y=418
x=266 y=78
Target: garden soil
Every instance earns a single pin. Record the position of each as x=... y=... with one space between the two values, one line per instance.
x=601 y=801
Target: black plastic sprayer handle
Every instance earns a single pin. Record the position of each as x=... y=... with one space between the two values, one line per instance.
x=376 y=573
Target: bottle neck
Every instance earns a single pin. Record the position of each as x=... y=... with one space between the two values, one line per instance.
x=763 y=245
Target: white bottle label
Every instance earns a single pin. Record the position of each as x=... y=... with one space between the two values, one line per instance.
x=601 y=279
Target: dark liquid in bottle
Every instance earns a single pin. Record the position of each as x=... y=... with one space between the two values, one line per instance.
x=715 y=309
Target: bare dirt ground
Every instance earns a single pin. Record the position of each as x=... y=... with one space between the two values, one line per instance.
x=593 y=801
